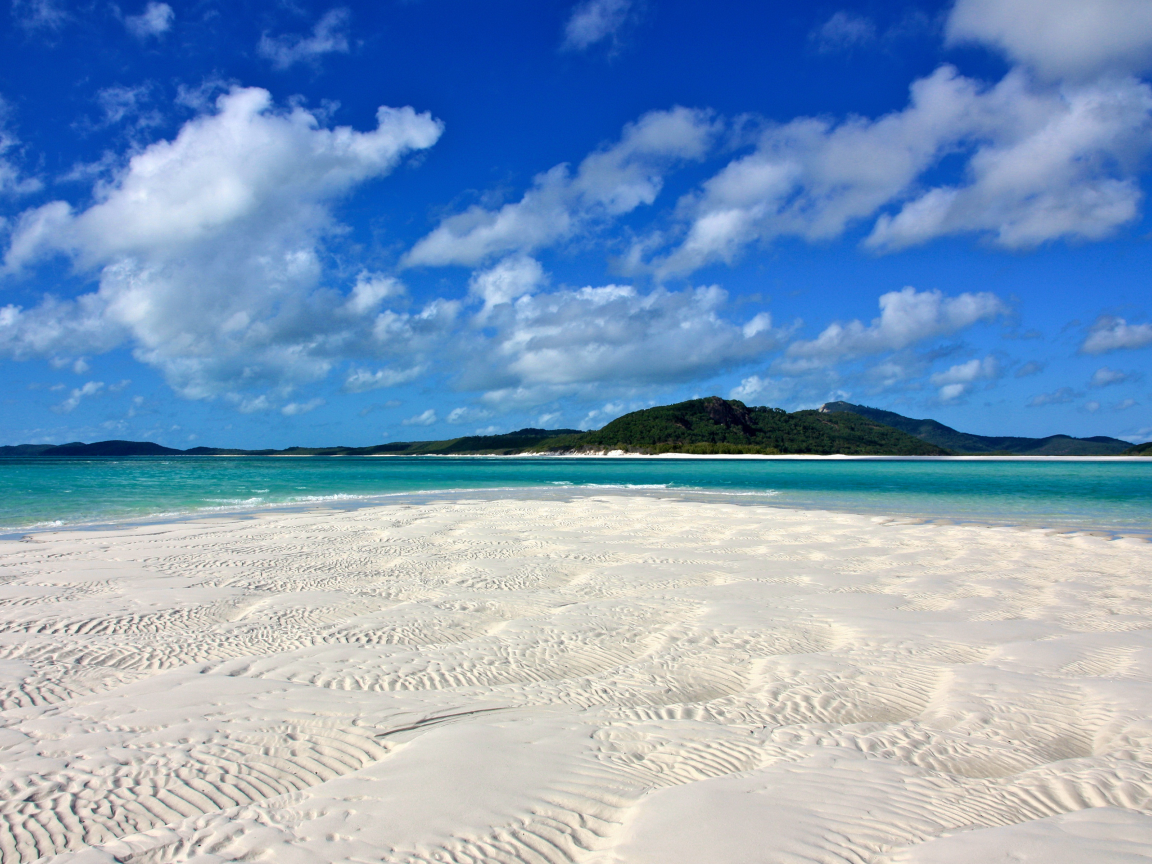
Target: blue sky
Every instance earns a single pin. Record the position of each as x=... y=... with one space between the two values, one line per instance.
x=268 y=224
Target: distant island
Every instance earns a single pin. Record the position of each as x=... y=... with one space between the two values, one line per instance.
x=966 y=444
x=710 y=426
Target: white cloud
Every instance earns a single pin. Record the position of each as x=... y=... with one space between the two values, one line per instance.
x=844 y=30
x=812 y=177
x=370 y=290
x=294 y=408
x=608 y=183
x=906 y=317
x=1068 y=170
x=1041 y=164
x=425 y=418
x=1104 y=376
x=1124 y=405
x=957 y=380
x=78 y=393
x=966 y=373
x=582 y=340
x=509 y=280
x=594 y=21
x=155 y=20
x=1112 y=334
x=208 y=251
x=11 y=180
x=1032 y=367
x=763 y=389
x=251 y=405
x=328 y=36
x=545 y=421
x=1092 y=407
x=1060 y=38
x=468 y=415
x=39 y=14
x=362 y=380
x=119 y=103
x=600 y=416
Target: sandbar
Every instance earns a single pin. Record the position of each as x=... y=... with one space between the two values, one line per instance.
x=608 y=679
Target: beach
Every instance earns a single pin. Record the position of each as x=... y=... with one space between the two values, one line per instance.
x=607 y=678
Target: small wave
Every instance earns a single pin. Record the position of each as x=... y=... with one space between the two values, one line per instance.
x=753 y=493
x=633 y=486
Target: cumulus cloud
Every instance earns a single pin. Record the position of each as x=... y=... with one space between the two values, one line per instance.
x=509 y=280
x=1060 y=38
x=328 y=36
x=155 y=20
x=208 y=247
x=957 y=380
x=1104 y=376
x=370 y=290
x=1112 y=334
x=549 y=344
x=757 y=389
x=1051 y=165
x=294 y=408
x=1041 y=164
x=595 y=21
x=906 y=317
x=425 y=418
x=78 y=393
x=608 y=183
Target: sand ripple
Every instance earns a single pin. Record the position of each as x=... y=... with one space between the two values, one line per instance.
x=609 y=680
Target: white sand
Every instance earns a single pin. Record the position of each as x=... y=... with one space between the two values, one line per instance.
x=609 y=680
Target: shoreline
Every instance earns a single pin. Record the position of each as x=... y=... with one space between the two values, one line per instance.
x=346 y=503
x=616 y=454
x=619 y=454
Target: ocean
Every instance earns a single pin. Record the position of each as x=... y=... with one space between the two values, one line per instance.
x=1110 y=496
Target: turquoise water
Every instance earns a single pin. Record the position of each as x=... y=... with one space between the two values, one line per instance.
x=1110 y=496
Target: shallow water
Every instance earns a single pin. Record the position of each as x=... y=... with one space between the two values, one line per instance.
x=1109 y=496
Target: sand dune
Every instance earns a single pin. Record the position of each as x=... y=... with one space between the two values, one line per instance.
x=612 y=680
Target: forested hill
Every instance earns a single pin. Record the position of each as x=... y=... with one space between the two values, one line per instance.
x=699 y=426
x=510 y=442
x=966 y=443
x=715 y=425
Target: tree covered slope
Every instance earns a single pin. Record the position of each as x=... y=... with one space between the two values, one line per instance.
x=716 y=425
x=937 y=433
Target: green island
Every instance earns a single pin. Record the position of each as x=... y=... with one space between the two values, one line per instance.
x=709 y=426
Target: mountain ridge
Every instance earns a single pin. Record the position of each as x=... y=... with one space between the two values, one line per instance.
x=697 y=426
x=968 y=444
